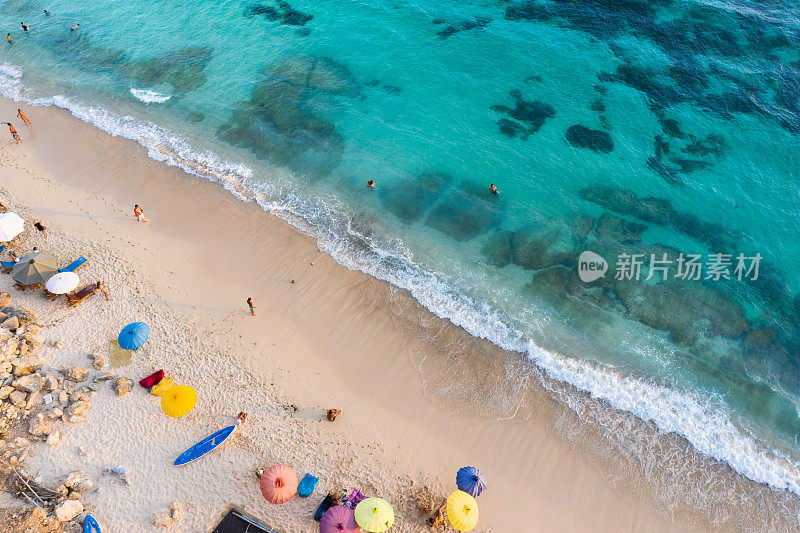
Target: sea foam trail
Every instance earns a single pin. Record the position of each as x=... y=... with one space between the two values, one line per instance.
x=703 y=421
x=149 y=96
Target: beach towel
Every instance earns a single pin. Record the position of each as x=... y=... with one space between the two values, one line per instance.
x=307 y=485
x=354 y=499
x=119 y=356
x=152 y=379
x=331 y=500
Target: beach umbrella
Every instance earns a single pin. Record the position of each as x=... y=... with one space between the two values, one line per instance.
x=374 y=515
x=470 y=480
x=11 y=225
x=34 y=268
x=133 y=335
x=278 y=484
x=63 y=282
x=462 y=510
x=178 y=400
x=339 y=519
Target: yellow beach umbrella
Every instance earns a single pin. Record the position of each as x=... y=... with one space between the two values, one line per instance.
x=162 y=386
x=178 y=401
x=462 y=510
x=374 y=515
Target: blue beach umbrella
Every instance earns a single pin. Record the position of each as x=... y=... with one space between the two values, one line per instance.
x=470 y=480
x=133 y=335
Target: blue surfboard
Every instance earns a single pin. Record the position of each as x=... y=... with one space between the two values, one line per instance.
x=204 y=446
x=90 y=525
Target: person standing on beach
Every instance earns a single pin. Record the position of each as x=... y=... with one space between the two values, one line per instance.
x=138 y=212
x=39 y=227
x=13 y=131
x=251 y=306
x=23 y=116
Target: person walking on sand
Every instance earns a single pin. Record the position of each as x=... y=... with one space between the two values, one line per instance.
x=39 y=227
x=24 y=26
x=13 y=132
x=251 y=306
x=138 y=212
x=24 y=117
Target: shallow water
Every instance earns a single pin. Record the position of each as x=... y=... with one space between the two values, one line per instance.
x=621 y=128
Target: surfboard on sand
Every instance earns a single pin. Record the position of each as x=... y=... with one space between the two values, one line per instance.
x=204 y=446
x=90 y=525
x=209 y=443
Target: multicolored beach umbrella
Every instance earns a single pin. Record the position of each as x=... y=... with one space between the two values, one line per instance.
x=339 y=519
x=133 y=335
x=462 y=510
x=178 y=401
x=11 y=225
x=35 y=267
x=470 y=480
x=62 y=283
x=374 y=515
x=278 y=484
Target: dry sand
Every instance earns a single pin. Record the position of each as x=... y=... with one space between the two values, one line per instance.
x=420 y=397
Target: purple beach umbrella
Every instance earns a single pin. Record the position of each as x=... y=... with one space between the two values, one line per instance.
x=339 y=519
x=470 y=480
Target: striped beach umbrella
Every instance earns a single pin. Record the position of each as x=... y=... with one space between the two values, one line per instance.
x=33 y=268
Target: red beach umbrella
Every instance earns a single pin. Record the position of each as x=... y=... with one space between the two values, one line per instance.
x=278 y=484
x=339 y=519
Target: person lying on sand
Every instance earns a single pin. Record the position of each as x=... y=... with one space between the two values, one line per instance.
x=102 y=288
x=13 y=131
x=333 y=413
x=23 y=116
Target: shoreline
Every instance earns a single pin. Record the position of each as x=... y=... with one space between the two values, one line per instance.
x=312 y=341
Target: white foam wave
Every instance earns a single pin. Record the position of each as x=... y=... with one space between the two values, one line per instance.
x=148 y=96
x=703 y=421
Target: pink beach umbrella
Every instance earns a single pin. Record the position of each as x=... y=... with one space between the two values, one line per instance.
x=278 y=484
x=339 y=519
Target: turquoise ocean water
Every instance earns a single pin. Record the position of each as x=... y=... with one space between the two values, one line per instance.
x=621 y=127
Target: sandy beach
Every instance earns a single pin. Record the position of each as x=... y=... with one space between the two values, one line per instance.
x=404 y=378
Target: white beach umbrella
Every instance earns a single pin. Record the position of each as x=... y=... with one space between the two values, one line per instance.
x=63 y=282
x=11 y=225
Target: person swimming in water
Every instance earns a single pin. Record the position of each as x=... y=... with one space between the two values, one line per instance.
x=13 y=131
x=75 y=27
x=24 y=117
x=493 y=189
x=9 y=39
x=371 y=184
x=24 y=26
x=46 y=13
